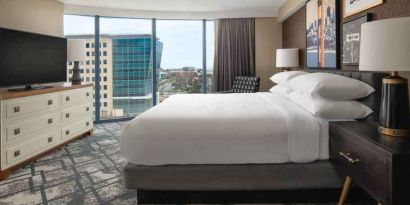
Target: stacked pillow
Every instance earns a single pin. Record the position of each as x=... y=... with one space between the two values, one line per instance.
x=325 y=95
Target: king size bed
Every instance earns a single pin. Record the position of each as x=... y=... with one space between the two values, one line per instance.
x=209 y=147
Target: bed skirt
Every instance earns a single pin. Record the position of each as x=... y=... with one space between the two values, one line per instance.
x=235 y=177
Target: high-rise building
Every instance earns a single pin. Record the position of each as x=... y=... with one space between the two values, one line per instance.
x=132 y=72
x=125 y=72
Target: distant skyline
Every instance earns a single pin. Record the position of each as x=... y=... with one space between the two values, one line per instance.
x=182 y=39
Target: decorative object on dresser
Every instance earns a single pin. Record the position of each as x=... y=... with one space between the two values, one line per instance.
x=76 y=54
x=378 y=164
x=351 y=39
x=351 y=7
x=385 y=46
x=35 y=122
x=287 y=58
x=322 y=33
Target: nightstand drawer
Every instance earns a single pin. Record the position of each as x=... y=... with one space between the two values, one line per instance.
x=361 y=161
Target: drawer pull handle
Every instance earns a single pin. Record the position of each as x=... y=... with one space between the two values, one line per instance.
x=50 y=139
x=87 y=123
x=87 y=109
x=17 y=153
x=17 y=109
x=349 y=158
x=67 y=115
x=50 y=102
x=17 y=131
x=67 y=98
x=87 y=94
x=67 y=132
x=50 y=120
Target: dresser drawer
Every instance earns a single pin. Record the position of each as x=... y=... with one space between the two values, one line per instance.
x=75 y=96
x=76 y=128
x=21 y=152
x=25 y=128
x=361 y=161
x=76 y=112
x=30 y=105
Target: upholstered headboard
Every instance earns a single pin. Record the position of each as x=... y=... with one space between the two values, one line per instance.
x=374 y=79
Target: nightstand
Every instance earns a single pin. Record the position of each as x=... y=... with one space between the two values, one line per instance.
x=378 y=164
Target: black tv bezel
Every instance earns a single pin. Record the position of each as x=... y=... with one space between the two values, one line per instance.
x=37 y=84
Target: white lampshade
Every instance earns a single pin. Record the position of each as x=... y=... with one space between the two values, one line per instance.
x=76 y=50
x=385 y=45
x=288 y=57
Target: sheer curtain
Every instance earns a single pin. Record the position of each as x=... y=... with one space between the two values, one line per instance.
x=234 y=51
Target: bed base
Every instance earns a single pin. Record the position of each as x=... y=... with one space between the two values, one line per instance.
x=317 y=182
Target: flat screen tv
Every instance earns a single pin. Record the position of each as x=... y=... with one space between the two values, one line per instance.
x=29 y=58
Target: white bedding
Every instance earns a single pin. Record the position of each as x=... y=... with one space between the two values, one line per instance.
x=225 y=129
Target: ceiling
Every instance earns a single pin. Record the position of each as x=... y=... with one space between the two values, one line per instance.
x=255 y=8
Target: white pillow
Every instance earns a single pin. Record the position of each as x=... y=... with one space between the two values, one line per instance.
x=284 y=77
x=330 y=86
x=281 y=89
x=341 y=110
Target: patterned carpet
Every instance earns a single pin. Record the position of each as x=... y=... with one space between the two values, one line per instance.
x=84 y=172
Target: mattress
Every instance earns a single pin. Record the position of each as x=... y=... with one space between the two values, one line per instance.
x=240 y=128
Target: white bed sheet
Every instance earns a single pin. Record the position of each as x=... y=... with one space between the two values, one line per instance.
x=225 y=129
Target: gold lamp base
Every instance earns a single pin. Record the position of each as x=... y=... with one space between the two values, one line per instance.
x=394 y=132
x=394 y=118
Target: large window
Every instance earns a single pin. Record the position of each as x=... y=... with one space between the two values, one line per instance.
x=181 y=66
x=120 y=60
x=127 y=43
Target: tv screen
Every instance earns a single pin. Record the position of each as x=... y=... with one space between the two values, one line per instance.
x=28 y=58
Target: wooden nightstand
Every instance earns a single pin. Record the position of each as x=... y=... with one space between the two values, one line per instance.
x=378 y=164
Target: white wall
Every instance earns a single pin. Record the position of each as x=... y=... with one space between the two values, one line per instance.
x=37 y=16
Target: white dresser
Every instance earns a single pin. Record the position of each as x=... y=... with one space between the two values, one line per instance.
x=34 y=122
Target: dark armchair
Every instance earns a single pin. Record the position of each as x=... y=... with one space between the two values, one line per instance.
x=245 y=84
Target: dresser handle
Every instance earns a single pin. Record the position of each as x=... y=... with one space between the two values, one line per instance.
x=67 y=132
x=87 y=109
x=87 y=124
x=87 y=94
x=50 y=102
x=17 y=109
x=50 y=139
x=50 y=120
x=67 y=98
x=17 y=131
x=67 y=115
x=17 y=153
x=349 y=158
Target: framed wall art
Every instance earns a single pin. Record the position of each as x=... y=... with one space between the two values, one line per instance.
x=351 y=39
x=321 y=34
x=351 y=7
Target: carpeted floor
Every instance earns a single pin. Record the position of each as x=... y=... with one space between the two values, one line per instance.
x=87 y=171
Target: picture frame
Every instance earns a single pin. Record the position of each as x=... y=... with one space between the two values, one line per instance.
x=352 y=7
x=322 y=41
x=351 y=39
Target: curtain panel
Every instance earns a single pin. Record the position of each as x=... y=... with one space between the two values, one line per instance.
x=234 y=51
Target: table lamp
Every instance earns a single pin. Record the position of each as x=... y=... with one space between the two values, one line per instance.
x=385 y=46
x=287 y=58
x=76 y=53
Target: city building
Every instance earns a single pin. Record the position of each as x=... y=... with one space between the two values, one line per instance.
x=125 y=72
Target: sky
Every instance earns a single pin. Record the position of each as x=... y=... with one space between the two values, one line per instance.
x=182 y=39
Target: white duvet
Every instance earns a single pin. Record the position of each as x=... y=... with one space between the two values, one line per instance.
x=225 y=129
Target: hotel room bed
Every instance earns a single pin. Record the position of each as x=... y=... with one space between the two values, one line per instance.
x=239 y=153
x=239 y=128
